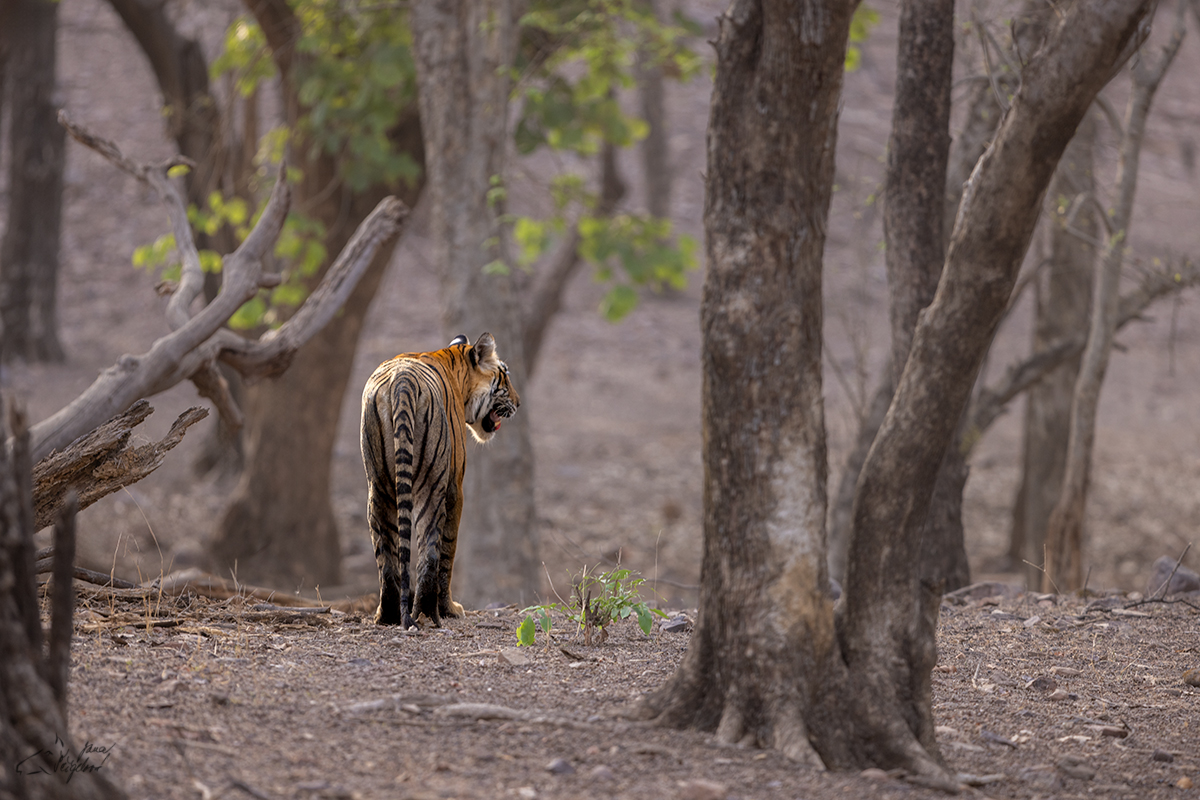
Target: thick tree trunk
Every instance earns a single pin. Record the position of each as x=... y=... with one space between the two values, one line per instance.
x=33 y=687
x=887 y=636
x=1064 y=532
x=462 y=75
x=279 y=527
x=1064 y=292
x=29 y=254
x=763 y=666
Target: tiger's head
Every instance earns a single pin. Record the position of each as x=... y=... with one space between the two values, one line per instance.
x=491 y=396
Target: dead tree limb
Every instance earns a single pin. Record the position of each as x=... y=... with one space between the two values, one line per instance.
x=198 y=340
x=102 y=462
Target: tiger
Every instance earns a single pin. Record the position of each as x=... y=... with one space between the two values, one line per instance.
x=415 y=408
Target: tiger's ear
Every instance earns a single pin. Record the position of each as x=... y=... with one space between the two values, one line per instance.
x=460 y=339
x=484 y=349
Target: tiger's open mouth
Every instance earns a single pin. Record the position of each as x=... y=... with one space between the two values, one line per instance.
x=491 y=422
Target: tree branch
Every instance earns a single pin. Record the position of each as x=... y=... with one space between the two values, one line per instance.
x=991 y=401
x=62 y=606
x=547 y=299
x=195 y=342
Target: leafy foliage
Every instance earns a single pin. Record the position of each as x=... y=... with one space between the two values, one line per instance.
x=577 y=56
x=599 y=600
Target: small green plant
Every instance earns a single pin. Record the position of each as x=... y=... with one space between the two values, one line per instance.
x=599 y=600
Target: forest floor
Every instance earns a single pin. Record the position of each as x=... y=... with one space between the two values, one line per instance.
x=1034 y=696
x=226 y=700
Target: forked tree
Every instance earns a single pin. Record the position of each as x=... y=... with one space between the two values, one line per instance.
x=769 y=663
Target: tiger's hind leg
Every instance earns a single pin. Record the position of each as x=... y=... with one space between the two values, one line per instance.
x=389 y=536
x=449 y=544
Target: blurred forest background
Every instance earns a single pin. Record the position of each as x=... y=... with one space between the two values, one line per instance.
x=614 y=407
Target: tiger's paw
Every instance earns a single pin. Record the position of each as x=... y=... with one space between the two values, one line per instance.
x=453 y=609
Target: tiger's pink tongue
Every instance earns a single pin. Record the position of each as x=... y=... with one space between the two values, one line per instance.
x=495 y=419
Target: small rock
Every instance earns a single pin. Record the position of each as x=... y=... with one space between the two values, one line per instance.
x=560 y=766
x=980 y=780
x=603 y=773
x=1192 y=677
x=527 y=793
x=1042 y=683
x=875 y=774
x=513 y=657
x=1066 y=672
x=680 y=623
x=1185 y=782
x=1058 y=694
x=1075 y=767
x=1034 y=620
x=1163 y=755
x=1184 y=579
x=701 y=790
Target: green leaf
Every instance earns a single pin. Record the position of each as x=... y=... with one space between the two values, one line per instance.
x=645 y=618
x=526 y=632
x=619 y=301
x=177 y=170
x=497 y=267
x=250 y=314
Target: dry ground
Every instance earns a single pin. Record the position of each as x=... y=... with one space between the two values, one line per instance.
x=615 y=415
x=1034 y=696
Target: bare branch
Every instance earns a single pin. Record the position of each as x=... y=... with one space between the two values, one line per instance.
x=102 y=462
x=1021 y=376
x=196 y=342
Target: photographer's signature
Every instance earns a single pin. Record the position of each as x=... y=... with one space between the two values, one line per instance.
x=65 y=762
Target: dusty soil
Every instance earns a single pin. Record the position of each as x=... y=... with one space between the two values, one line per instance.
x=615 y=414
x=1034 y=697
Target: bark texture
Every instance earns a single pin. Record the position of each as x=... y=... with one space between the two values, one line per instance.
x=887 y=635
x=30 y=250
x=912 y=225
x=463 y=53
x=279 y=527
x=763 y=667
x=1063 y=294
x=33 y=686
x=1064 y=532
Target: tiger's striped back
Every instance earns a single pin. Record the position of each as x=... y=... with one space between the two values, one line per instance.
x=416 y=411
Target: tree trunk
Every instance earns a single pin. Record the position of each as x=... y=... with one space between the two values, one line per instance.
x=30 y=251
x=463 y=84
x=763 y=667
x=768 y=664
x=33 y=688
x=279 y=527
x=656 y=150
x=912 y=225
x=1064 y=532
x=887 y=635
x=1064 y=292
